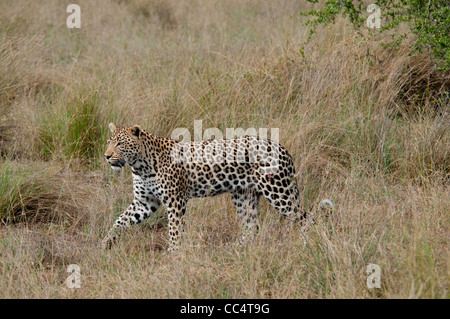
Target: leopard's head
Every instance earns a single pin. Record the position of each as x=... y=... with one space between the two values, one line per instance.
x=123 y=145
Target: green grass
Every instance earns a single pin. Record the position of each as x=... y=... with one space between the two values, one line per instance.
x=74 y=128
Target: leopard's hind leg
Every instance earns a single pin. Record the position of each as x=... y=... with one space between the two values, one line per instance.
x=247 y=203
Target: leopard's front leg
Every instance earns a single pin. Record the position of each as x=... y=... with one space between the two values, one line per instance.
x=136 y=213
x=176 y=209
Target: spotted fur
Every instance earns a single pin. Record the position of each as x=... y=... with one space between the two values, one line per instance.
x=170 y=173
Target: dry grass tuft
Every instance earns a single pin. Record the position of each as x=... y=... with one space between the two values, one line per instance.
x=30 y=193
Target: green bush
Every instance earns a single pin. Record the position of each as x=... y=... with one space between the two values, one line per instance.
x=429 y=20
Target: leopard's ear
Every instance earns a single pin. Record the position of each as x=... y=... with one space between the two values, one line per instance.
x=112 y=127
x=135 y=131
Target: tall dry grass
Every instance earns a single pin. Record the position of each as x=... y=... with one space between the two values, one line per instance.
x=367 y=127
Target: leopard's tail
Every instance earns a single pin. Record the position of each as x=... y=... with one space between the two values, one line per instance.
x=327 y=207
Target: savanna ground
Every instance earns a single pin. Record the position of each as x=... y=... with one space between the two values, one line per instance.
x=366 y=124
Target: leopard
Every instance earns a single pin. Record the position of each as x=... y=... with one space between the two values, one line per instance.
x=168 y=172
